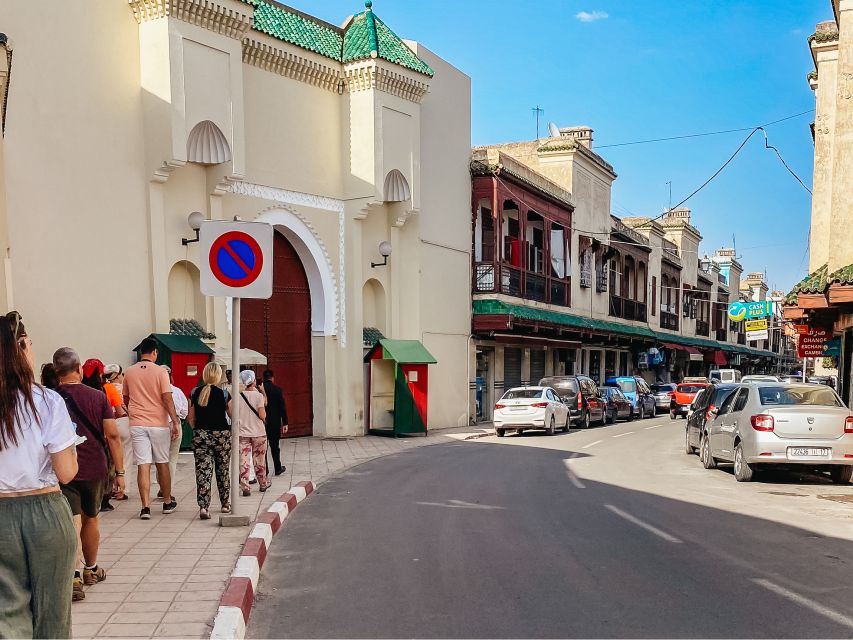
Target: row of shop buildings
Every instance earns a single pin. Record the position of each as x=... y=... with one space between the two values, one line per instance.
x=561 y=286
x=506 y=263
x=824 y=299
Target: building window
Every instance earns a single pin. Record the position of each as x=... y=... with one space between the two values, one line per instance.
x=654 y=294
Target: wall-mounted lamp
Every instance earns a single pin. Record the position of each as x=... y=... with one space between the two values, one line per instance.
x=384 y=251
x=194 y=221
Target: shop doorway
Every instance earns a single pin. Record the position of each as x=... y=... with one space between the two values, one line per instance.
x=484 y=385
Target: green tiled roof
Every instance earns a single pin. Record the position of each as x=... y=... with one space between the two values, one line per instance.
x=365 y=37
x=368 y=37
x=371 y=335
x=291 y=27
x=180 y=327
x=844 y=275
x=813 y=283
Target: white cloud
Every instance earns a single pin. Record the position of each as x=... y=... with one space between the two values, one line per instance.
x=591 y=16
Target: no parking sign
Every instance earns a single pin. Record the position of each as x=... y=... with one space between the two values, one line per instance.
x=236 y=259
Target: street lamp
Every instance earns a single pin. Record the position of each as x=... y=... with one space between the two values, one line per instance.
x=194 y=220
x=384 y=251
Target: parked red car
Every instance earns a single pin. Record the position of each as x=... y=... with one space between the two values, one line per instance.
x=683 y=397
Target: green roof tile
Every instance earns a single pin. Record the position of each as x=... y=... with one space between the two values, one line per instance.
x=844 y=275
x=368 y=37
x=813 y=283
x=297 y=29
x=364 y=35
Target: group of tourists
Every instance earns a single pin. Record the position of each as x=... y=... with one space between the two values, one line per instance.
x=67 y=443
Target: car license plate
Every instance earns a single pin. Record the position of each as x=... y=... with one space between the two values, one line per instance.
x=808 y=452
x=518 y=408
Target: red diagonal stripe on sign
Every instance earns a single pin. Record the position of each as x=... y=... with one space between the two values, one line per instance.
x=236 y=258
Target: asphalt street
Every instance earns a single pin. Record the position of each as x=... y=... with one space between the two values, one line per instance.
x=609 y=532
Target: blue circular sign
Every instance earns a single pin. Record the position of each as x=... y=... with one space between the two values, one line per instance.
x=236 y=259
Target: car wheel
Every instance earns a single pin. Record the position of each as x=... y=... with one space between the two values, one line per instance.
x=743 y=471
x=568 y=424
x=612 y=418
x=585 y=422
x=688 y=449
x=672 y=415
x=519 y=431
x=500 y=432
x=551 y=430
x=630 y=417
x=705 y=454
x=642 y=412
x=841 y=474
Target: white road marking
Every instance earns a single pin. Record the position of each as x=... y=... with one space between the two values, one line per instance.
x=622 y=435
x=572 y=477
x=656 y=426
x=826 y=612
x=642 y=525
x=592 y=444
x=459 y=504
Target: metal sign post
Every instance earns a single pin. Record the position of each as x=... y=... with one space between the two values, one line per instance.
x=238 y=265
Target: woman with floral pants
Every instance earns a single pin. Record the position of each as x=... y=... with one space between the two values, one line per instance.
x=211 y=440
x=253 y=433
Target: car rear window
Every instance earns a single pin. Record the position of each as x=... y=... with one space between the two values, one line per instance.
x=690 y=388
x=657 y=388
x=627 y=386
x=799 y=394
x=565 y=384
x=517 y=394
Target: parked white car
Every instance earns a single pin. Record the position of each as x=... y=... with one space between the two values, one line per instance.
x=759 y=378
x=524 y=408
x=781 y=424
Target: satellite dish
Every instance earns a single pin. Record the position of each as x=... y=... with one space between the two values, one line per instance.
x=554 y=130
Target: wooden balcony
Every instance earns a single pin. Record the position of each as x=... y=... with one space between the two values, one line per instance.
x=519 y=283
x=627 y=309
x=669 y=321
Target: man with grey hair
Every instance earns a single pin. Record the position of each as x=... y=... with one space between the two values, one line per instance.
x=93 y=417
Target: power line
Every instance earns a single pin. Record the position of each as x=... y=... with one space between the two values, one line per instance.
x=702 y=135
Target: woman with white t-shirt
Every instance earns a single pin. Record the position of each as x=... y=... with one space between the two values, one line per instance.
x=253 y=435
x=37 y=538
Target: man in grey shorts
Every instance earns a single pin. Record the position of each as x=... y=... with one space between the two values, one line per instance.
x=148 y=396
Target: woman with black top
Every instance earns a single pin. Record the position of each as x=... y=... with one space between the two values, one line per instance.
x=211 y=440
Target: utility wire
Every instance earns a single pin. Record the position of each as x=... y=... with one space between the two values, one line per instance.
x=702 y=135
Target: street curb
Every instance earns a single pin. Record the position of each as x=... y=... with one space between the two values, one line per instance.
x=235 y=605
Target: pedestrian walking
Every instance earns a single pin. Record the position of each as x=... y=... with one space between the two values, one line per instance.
x=253 y=435
x=93 y=376
x=114 y=378
x=211 y=440
x=181 y=409
x=95 y=419
x=276 y=421
x=37 y=452
x=148 y=397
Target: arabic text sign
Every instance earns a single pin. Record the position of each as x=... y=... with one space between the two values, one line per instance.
x=812 y=344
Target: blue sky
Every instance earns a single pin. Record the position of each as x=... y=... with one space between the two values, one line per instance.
x=640 y=69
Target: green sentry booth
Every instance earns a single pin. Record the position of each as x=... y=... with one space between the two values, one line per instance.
x=398 y=387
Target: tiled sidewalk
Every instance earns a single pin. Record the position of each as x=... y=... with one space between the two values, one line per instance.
x=166 y=575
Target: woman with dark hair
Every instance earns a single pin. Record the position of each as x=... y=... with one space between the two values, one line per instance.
x=37 y=452
x=49 y=378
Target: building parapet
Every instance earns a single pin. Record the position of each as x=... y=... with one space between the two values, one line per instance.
x=489 y=161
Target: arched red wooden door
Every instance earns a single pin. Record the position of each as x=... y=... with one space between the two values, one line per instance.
x=280 y=328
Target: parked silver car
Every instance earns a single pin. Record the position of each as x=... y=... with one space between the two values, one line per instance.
x=663 y=395
x=786 y=424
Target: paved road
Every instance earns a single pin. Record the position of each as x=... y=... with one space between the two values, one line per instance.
x=610 y=532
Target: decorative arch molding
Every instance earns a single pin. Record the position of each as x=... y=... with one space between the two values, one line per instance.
x=396 y=187
x=315 y=260
x=207 y=144
x=298 y=198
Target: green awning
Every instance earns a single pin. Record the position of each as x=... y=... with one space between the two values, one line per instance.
x=402 y=352
x=497 y=307
x=179 y=344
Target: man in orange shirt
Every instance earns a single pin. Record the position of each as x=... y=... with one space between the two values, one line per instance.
x=148 y=396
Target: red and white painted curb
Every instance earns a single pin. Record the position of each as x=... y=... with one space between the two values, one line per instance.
x=236 y=602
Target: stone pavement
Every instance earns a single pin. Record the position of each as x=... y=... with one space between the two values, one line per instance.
x=166 y=575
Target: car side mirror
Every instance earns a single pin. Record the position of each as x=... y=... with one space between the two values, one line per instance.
x=714 y=413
